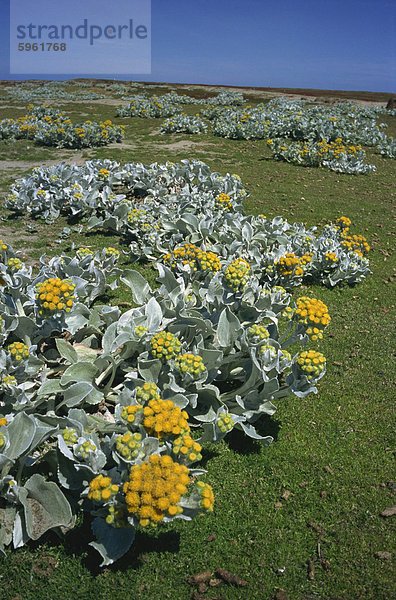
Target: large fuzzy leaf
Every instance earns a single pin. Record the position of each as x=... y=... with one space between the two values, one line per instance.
x=111 y=543
x=45 y=506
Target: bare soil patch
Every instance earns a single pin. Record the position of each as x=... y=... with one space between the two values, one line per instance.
x=75 y=158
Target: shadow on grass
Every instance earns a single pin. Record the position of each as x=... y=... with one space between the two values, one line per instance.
x=75 y=546
x=239 y=442
x=168 y=541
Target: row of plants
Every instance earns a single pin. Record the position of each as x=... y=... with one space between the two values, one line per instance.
x=48 y=127
x=296 y=132
x=336 y=156
x=106 y=413
x=301 y=134
x=145 y=106
x=159 y=208
x=29 y=92
x=182 y=123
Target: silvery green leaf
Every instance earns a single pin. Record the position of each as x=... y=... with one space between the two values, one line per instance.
x=7 y=518
x=211 y=357
x=109 y=337
x=78 y=418
x=150 y=445
x=84 y=351
x=77 y=318
x=70 y=477
x=42 y=432
x=19 y=534
x=112 y=543
x=149 y=369
x=81 y=371
x=64 y=449
x=26 y=327
x=251 y=432
x=154 y=314
x=178 y=399
x=21 y=432
x=228 y=328
x=172 y=385
x=208 y=417
x=50 y=386
x=247 y=232
x=66 y=350
x=45 y=506
x=138 y=285
x=166 y=277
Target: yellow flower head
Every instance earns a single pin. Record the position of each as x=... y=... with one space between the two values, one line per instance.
x=101 y=489
x=18 y=351
x=55 y=295
x=190 y=363
x=311 y=363
x=237 y=274
x=165 y=345
x=162 y=418
x=313 y=313
x=155 y=488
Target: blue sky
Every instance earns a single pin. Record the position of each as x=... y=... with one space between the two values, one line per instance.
x=323 y=44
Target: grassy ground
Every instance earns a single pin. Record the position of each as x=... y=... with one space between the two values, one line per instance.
x=303 y=515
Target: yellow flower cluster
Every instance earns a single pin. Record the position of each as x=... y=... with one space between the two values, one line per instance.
x=138 y=217
x=55 y=294
x=198 y=259
x=208 y=261
x=3 y=421
x=288 y=313
x=225 y=422
x=18 y=351
x=267 y=347
x=14 y=264
x=85 y=449
x=289 y=264
x=237 y=274
x=306 y=258
x=111 y=251
x=83 y=252
x=140 y=330
x=117 y=516
x=257 y=333
x=190 y=363
x=312 y=363
x=162 y=418
x=331 y=257
x=188 y=448
x=70 y=436
x=148 y=391
x=128 y=445
x=8 y=380
x=165 y=345
x=185 y=254
x=101 y=489
x=224 y=201
x=129 y=413
x=356 y=243
x=155 y=488
x=336 y=148
x=103 y=174
x=207 y=496
x=343 y=223
x=314 y=313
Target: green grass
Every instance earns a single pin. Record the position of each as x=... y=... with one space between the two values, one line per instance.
x=317 y=492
